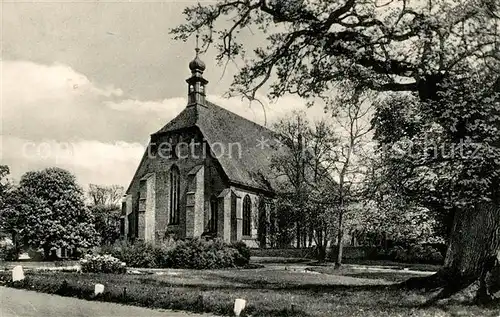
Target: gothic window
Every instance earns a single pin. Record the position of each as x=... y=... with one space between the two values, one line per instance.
x=175 y=185
x=247 y=215
x=214 y=207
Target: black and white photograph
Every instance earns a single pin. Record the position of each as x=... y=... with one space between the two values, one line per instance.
x=253 y=158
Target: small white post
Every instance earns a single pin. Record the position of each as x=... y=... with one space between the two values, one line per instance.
x=239 y=305
x=99 y=289
x=17 y=273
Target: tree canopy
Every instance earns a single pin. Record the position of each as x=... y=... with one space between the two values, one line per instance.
x=49 y=212
x=312 y=45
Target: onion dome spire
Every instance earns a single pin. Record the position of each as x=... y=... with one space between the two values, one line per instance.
x=197 y=65
x=196 y=83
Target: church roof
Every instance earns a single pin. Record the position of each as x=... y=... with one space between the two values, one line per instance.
x=219 y=125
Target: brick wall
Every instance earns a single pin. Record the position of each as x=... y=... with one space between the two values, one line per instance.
x=198 y=189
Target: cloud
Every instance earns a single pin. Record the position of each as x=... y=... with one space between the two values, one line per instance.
x=56 y=102
x=26 y=82
x=52 y=115
x=90 y=161
x=168 y=107
x=267 y=112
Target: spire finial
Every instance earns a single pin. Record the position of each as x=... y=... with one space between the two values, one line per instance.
x=197 y=49
x=197 y=64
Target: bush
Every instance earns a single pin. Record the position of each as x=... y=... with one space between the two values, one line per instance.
x=243 y=256
x=8 y=252
x=139 y=254
x=432 y=255
x=398 y=253
x=200 y=254
x=102 y=264
x=416 y=253
x=35 y=255
x=186 y=254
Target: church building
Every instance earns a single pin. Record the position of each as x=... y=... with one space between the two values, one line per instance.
x=206 y=173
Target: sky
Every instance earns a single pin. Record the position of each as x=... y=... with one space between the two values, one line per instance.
x=85 y=83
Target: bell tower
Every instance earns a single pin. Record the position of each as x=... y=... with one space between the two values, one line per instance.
x=196 y=83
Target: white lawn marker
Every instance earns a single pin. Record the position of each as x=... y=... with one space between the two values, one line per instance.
x=99 y=289
x=239 y=305
x=17 y=273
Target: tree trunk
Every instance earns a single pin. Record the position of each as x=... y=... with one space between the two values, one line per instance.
x=340 y=237
x=321 y=255
x=474 y=244
x=46 y=253
x=298 y=234
x=473 y=254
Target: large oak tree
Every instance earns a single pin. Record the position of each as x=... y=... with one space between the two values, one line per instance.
x=424 y=48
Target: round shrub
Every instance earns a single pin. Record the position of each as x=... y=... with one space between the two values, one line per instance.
x=417 y=253
x=139 y=254
x=432 y=255
x=102 y=264
x=243 y=256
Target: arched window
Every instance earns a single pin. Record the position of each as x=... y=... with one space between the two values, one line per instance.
x=214 y=208
x=175 y=184
x=247 y=216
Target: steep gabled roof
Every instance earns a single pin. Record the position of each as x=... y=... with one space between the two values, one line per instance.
x=223 y=127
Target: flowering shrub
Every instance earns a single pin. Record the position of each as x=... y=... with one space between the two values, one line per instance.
x=102 y=264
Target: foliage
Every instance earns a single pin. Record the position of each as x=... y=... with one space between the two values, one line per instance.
x=242 y=258
x=107 y=223
x=48 y=212
x=138 y=254
x=200 y=254
x=442 y=156
x=10 y=223
x=313 y=45
x=101 y=195
x=36 y=255
x=185 y=254
x=306 y=196
x=5 y=185
x=8 y=252
x=416 y=253
x=102 y=264
x=106 y=208
x=393 y=219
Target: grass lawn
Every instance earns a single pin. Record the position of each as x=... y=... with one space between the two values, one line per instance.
x=397 y=265
x=269 y=293
x=390 y=276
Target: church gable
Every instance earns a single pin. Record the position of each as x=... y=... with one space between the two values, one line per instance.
x=202 y=174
